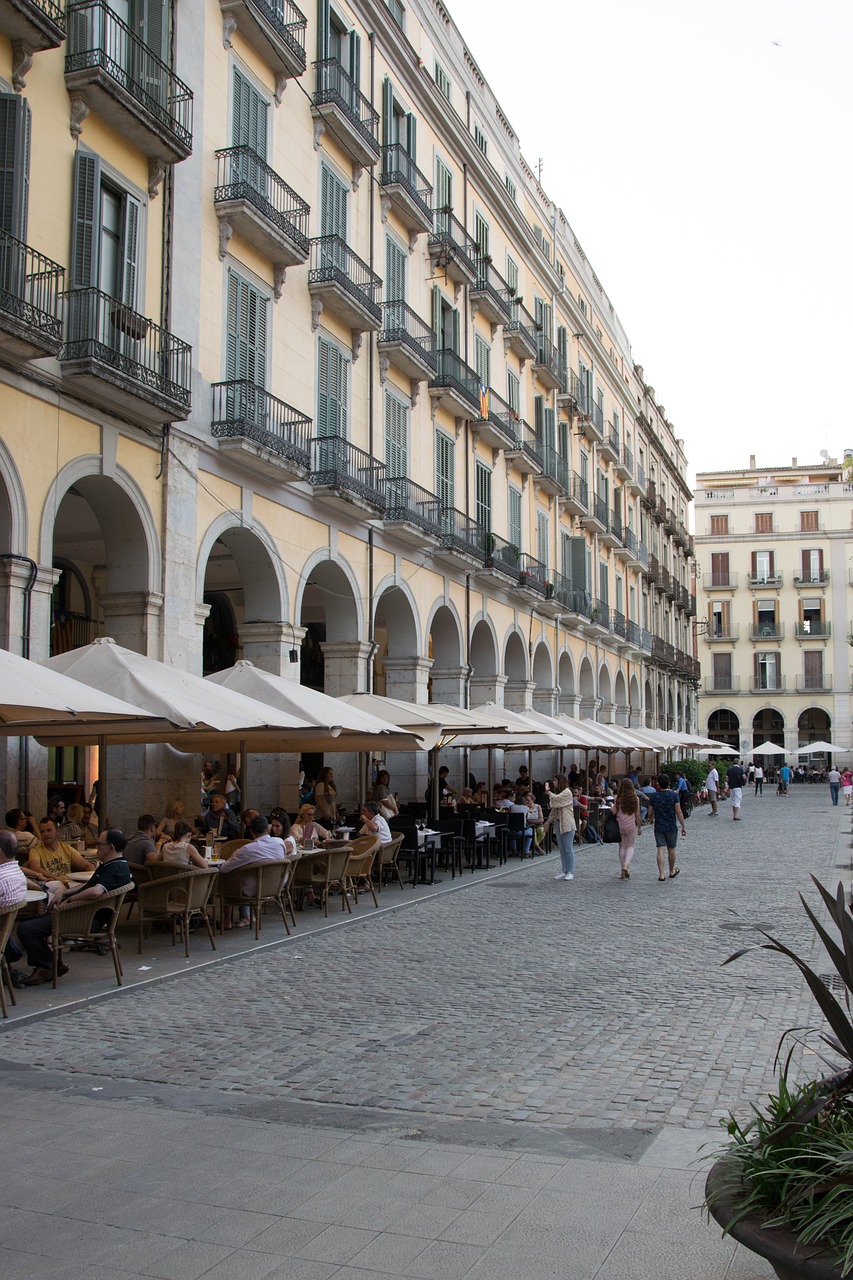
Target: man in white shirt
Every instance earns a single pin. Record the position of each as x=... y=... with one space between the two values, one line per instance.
x=834 y=779
x=712 y=785
x=261 y=848
x=13 y=882
x=373 y=824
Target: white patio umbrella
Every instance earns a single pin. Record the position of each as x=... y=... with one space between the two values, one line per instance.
x=822 y=748
x=766 y=749
x=33 y=696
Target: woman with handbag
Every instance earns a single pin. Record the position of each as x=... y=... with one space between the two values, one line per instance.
x=326 y=797
x=627 y=810
x=562 y=818
x=384 y=796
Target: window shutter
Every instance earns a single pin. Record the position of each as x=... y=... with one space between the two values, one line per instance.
x=454 y=331
x=149 y=20
x=396 y=459
x=387 y=112
x=437 y=327
x=130 y=251
x=14 y=164
x=805 y=565
x=820 y=562
x=246 y=343
x=412 y=136
x=355 y=58
x=395 y=272
x=322 y=382
x=578 y=563
x=324 y=23
x=754 y=570
x=84 y=232
x=333 y=373
x=563 y=345
x=771 y=572
x=548 y=434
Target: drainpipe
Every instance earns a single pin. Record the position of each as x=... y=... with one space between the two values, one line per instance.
x=371 y=394
x=26 y=623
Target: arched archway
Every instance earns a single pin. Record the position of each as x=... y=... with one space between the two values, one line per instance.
x=620 y=698
x=724 y=726
x=334 y=656
x=768 y=725
x=636 y=705
x=605 y=692
x=649 y=706
x=447 y=677
x=484 y=683
x=568 y=704
x=814 y=725
x=243 y=587
x=515 y=672
x=543 y=679
x=586 y=688
x=398 y=669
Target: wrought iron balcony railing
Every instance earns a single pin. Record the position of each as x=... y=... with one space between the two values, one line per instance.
x=599 y=510
x=336 y=87
x=525 y=438
x=450 y=236
x=618 y=624
x=288 y=22
x=616 y=525
x=722 y=683
x=98 y=39
x=627 y=459
x=408 y=503
x=452 y=371
x=399 y=167
x=765 y=580
x=821 y=682
x=556 y=467
x=721 y=579
x=521 y=329
x=30 y=291
x=333 y=261
x=579 y=490
x=401 y=324
x=723 y=632
x=491 y=290
x=580 y=395
x=241 y=174
x=533 y=574
x=99 y=328
x=338 y=464
x=461 y=534
x=549 y=361
x=767 y=631
x=240 y=409
x=817 y=579
x=811 y=629
x=502 y=555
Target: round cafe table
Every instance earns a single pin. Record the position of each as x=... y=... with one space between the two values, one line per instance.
x=36 y=895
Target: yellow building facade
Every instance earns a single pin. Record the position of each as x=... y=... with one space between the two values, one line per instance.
x=297 y=358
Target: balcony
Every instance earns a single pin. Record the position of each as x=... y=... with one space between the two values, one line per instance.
x=653 y=570
x=30 y=26
x=455 y=386
x=595 y=519
x=503 y=559
x=639 y=641
x=412 y=514
x=253 y=201
x=768 y=684
x=124 y=362
x=533 y=577
x=496 y=427
x=818 y=579
x=556 y=476
x=598 y=622
x=352 y=121
x=526 y=453
x=637 y=482
x=619 y=628
x=574 y=603
x=625 y=464
x=767 y=631
x=813 y=630
x=723 y=633
x=259 y=431
x=576 y=498
x=340 y=281
x=108 y=69
x=721 y=684
x=638 y=556
x=613 y=535
x=819 y=683
x=406 y=341
x=763 y=581
x=548 y=366
x=688 y=602
x=405 y=190
x=489 y=295
x=452 y=250
x=660 y=511
x=463 y=542
x=521 y=332
x=649 y=496
x=345 y=476
x=722 y=580
x=663 y=652
x=276 y=32
x=30 y=308
x=610 y=448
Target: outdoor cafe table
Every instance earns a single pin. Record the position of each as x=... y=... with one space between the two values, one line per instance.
x=428 y=842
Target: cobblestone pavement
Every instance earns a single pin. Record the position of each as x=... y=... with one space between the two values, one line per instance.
x=596 y=1004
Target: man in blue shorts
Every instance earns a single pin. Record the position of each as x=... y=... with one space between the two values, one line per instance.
x=668 y=818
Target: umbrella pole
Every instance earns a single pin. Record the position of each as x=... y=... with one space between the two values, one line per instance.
x=491 y=774
x=435 y=797
x=244 y=769
x=102 y=782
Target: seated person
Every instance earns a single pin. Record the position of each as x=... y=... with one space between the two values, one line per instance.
x=90 y=826
x=51 y=859
x=248 y=814
x=141 y=847
x=526 y=834
x=13 y=882
x=174 y=814
x=178 y=850
x=280 y=827
x=467 y=797
x=72 y=828
x=112 y=873
x=261 y=848
x=305 y=828
x=21 y=824
x=219 y=819
x=373 y=824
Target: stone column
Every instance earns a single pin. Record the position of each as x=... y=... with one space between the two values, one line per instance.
x=23 y=763
x=408 y=679
x=545 y=701
x=448 y=685
x=132 y=619
x=570 y=705
x=518 y=695
x=345 y=672
x=273 y=778
x=486 y=688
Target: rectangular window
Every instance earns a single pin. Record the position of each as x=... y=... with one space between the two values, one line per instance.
x=510 y=186
x=332 y=390
x=105 y=235
x=763 y=566
x=398 y=13
x=445 y=322
x=444 y=469
x=483 y=360
x=443 y=186
x=764 y=522
x=396 y=260
x=813 y=669
x=719 y=526
x=14 y=164
x=620 y=594
x=603 y=581
x=808 y=522
x=514 y=517
x=512 y=276
x=722 y=670
x=246 y=336
x=333 y=204
x=481 y=234
x=720 y=573
x=543 y=538
x=767 y=671
x=336 y=40
x=249 y=116
x=396 y=437
x=812 y=565
x=481 y=140
x=584 y=466
x=513 y=392
x=720 y=619
x=442 y=79
x=483 y=495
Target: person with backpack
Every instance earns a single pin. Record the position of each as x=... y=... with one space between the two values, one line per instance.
x=735 y=778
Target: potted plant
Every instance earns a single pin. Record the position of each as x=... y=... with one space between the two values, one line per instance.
x=783 y=1187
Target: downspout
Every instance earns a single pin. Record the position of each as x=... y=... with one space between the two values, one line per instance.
x=371 y=394
x=26 y=625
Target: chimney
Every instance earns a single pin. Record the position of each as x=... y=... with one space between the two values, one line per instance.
x=752 y=462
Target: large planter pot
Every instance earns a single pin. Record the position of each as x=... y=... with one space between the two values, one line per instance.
x=788 y=1258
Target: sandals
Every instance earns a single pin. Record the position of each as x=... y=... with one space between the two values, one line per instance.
x=676 y=872
x=661 y=879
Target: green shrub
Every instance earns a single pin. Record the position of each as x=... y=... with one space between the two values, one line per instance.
x=693 y=770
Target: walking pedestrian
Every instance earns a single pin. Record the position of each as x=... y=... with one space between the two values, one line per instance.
x=784 y=779
x=759 y=780
x=712 y=786
x=627 y=810
x=668 y=818
x=562 y=817
x=847 y=785
x=735 y=780
x=834 y=779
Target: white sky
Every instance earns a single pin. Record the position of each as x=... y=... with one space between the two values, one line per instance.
x=702 y=156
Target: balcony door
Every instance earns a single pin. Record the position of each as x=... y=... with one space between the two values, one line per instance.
x=396 y=437
x=813 y=669
x=763 y=568
x=246 y=352
x=443 y=196
x=812 y=565
x=722 y=671
x=767 y=671
x=333 y=221
x=445 y=464
x=249 y=130
x=720 y=618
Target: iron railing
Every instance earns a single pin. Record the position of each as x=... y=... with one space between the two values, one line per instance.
x=71 y=631
x=526 y=439
x=400 y=324
x=449 y=234
x=596 y=412
x=767 y=631
x=97 y=327
x=451 y=371
x=287 y=21
x=522 y=322
x=627 y=459
x=241 y=174
x=333 y=261
x=30 y=288
x=241 y=409
x=399 y=167
x=722 y=683
x=616 y=525
x=579 y=490
x=725 y=631
x=819 y=578
x=337 y=87
x=407 y=502
x=765 y=580
x=462 y=534
x=492 y=285
x=763 y=683
x=502 y=555
x=97 y=38
x=338 y=464
x=722 y=578
x=611 y=440
x=618 y=624
x=548 y=357
x=533 y=574
x=579 y=393
x=556 y=467
x=819 y=683
x=813 y=628
x=572 y=599
x=599 y=510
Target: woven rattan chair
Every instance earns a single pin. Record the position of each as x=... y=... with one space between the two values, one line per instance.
x=387 y=861
x=321 y=869
x=142 y=874
x=177 y=899
x=7 y=923
x=224 y=851
x=363 y=854
x=92 y=921
x=271 y=885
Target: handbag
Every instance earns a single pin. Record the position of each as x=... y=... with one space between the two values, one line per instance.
x=611 y=830
x=387 y=813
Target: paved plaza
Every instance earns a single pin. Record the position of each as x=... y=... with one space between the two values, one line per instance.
x=511 y=1078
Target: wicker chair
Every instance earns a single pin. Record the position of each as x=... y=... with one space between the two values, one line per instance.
x=363 y=854
x=142 y=874
x=322 y=868
x=271 y=885
x=7 y=923
x=387 y=861
x=76 y=922
x=177 y=899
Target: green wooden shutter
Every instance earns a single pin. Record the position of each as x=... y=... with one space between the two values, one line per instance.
x=548 y=430
x=412 y=136
x=324 y=22
x=483 y=492
x=387 y=112
x=514 y=517
x=246 y=339
x=149 y=20
x=578 y=563
x=396 y=437
x=250 y=115
x=130 y=251
x=332 y=376
x=85 y=225
x=443 y=186
x=333 y=205
x=444 y=469
x=437 y=317
x=14 y=164
x=355 y=58
x=395 y=272
x=453 y=320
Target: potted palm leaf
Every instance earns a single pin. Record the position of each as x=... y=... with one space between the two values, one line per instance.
x=783 y=1185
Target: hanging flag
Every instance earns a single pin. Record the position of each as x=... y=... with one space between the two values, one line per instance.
x=484 y=401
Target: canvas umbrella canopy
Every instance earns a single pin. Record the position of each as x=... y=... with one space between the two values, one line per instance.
x=436 y=723
x=33 y=696
x=766 y=749
x=824 y=748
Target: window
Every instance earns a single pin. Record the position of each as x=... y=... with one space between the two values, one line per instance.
x=720 y=619
x=481 y=234
x=105 y=243
x=483 y=495
x=398 y=13
x=812 y=565
x=483 y=360
x=246 y=346
x=620 y=594
x=603 y=582
x=582 y=304
x=584 y=466
x=513 y=392
x=337 y=41
x=249 y=116
x=720 y=573
x=396 y=437
x=333 y=204
x=763 y=566
x=480 y=139
x=443 y=187
x=808 y=522
x=332 y=390
x=542 y=537
x=765 y=619
x=512 y=276
x=442 y=79
x=445 y=322
x=719 y=526
x=510 y=186
x=396 y=259
x=399 y=126
x=812 y=619
x=542 y=314
x=514 y=517
x=764 y=522
x=444 y=469
x=14 y=164
x=813 y=674
x=722 y=670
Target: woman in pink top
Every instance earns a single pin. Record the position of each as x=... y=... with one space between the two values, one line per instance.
x=179 y=851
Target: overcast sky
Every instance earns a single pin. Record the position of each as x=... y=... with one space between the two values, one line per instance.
x=702 y=156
